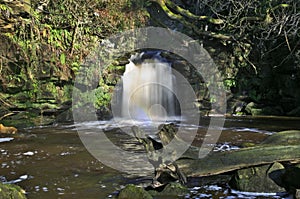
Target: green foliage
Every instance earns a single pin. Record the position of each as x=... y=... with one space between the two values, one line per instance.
x=229 y=83
x=254 y=43
x=52 y=41
x=102 y=96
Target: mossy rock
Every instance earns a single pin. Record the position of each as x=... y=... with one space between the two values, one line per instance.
x=131 y=191
x=10 y=191
x=173 y=189
x=256 y=179
x=289 y=137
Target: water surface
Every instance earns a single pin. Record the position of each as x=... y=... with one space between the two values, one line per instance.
x=51 y=162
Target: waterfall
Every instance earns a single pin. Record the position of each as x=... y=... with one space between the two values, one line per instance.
x=148 y=85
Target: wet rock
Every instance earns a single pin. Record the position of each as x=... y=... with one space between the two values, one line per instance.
x=131 y=191
x=172 y=189
x=291 y=137
x=11 y=191
x=256 y=179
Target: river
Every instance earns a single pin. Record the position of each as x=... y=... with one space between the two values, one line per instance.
x=51 y=161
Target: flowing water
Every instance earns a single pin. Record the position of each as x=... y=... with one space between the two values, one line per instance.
x=142 y=95
x=51 y=162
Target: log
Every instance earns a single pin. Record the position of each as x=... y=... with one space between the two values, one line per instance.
x=280 y=147
x=222 y=162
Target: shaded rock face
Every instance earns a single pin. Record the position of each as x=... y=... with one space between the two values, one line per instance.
x=268 y=178
x=10 y=191
x=290 y=178
x=256 y=179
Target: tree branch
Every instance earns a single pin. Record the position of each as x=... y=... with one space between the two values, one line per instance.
x=187 y=24
x=190 y=15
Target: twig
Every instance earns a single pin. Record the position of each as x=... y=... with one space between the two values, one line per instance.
x=287 y=41
x=8 y=114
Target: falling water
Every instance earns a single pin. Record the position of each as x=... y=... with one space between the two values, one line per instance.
x=148 y=86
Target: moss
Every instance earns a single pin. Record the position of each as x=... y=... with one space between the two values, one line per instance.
x=132 y=191
x=10 y=191
x=174 y=189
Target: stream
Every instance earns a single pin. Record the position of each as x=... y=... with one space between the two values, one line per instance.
x=51 y=162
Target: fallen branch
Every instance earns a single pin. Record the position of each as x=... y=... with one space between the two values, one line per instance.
x=222 y=162
x=280 y=147
x=8 y=114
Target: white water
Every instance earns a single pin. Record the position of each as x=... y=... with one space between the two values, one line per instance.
x=148 y=91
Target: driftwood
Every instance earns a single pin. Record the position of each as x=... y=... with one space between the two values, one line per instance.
x=166 y=171
x=221 y=162
x=281 y=147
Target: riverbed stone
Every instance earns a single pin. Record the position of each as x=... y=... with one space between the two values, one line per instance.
x=132 y=191
x=256 y=179
x=10 y=191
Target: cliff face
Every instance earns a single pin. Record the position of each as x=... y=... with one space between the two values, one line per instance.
x=44 y=44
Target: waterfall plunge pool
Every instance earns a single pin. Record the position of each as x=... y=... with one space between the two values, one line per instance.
x=51 y=162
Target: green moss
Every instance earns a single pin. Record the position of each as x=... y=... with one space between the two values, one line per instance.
x=10 y=191
x=131 y=191
x=172 y=190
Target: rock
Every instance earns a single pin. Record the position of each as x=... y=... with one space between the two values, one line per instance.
x=290 y=179
x=251 y=108
x=275 y=173
x=297 y=195
x=295 y=112
x=284 y=138
x=256 y=179
x=174 y=189
x=131 y=191
x=272 y=110
x=64 y=117
x=7 y=129
x=10 y=191
x=171 y=190
x=274 y=178
x=258 y=109
x=239 y=108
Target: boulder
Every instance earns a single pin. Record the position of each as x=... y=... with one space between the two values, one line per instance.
x=171 y=190
x=131 y=191
x=258 y=179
